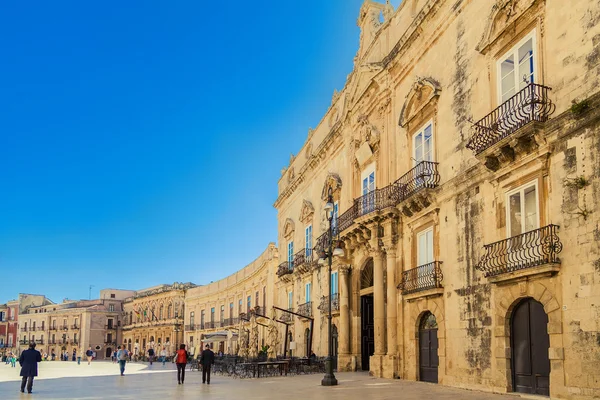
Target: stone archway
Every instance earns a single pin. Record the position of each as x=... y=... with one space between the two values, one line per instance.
x=417 y=310
x=510 y=296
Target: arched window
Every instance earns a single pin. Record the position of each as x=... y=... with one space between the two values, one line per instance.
x=169 y=311
x=160 y=312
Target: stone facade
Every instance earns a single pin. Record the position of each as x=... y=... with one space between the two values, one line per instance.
x=213 y=312
x=462 y=156
x=153 y=318
x=71 y=326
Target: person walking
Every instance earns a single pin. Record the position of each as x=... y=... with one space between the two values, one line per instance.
x=29 y=367
x=151 y=355
x=89 y=354
x=181 y=360
x=122 y=355
x=207 y=359
x=163 y=355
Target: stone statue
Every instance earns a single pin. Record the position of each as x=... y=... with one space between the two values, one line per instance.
x=243 y=339
x=272 y=336
x=388 y=11
x=253 y=345
x=367 y=132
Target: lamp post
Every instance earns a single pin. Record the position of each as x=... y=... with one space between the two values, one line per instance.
x=327 y=256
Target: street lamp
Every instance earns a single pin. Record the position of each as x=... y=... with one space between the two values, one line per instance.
x=326 y=256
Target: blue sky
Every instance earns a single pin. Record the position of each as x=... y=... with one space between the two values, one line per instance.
x=142 y=141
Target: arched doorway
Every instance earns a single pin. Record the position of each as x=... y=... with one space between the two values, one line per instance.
x=428 y=348
x=108 y=352
x=366 y=315
x=530 y=342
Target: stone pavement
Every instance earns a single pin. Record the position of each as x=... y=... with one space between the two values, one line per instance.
x=101 y=380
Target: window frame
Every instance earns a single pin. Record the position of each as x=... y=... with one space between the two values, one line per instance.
x=421 y=130
x=307 y=292
x=308 y=240
x=521 y=189
x=514 y=50
x=421 y=232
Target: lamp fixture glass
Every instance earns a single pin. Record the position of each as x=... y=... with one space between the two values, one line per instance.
x=329 y=207
x=338 y=252
x=322 y=261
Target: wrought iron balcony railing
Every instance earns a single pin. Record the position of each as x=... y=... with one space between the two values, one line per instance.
x=376 y=200
x=530 y=249
x=209 y=325
x=74 y=326
x=529 y=104
x=50 y=341
x=189 y=327
x=200 y=326
x=23 y=329
x=39 y=341
x=424 y=175
x=347 y=218
x=285 y=268
x=335 y=303
x=110 y=327
x=287 y=317
x=305 y=309
x=424 y=277
x=24 y=341
x=53 y=328
x=64 y=327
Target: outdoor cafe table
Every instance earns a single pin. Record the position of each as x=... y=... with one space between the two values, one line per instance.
x=256 y=367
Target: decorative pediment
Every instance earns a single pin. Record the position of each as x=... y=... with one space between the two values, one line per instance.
x=334 y=182
x=502 y=16
x=423 y=92
x=288 y=228
x=306 y=212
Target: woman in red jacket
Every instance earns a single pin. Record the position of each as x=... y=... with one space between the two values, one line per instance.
x=181 y=363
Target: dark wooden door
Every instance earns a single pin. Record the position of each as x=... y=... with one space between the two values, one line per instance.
x=428 y=349
x=530 y=343
x=368 y=331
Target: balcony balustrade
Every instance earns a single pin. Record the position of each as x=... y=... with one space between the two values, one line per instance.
x=52 y=328
x=76 y=327
x=189 y=327
x=110 y=327
x=39 y=341
x=23 y=329
x=23 y=341
x=424 y=175
x=528 y=250
x=285 y=268
x=305 y=309
x=209 y=325
x=335 y=303
x=530 y=104
x=423 y=277
x=287 y=317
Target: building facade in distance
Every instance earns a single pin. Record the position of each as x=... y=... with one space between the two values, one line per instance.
x=153 y=318
x=213 y=311
x=462 y=158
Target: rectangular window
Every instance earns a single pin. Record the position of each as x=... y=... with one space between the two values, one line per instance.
x=109 y=323
x=222 y=315
x=334 y=220
x=308 y=241
x=192 y=318
x=230 y=310
x=43 y=325
x=240 y=307
x=334 y=283
x=522 y=214
x=291 y=253
x=212 y=314
x=423 y=144
x=368 y=190
x=265 y=298
x=202 y=319
x=425 y=247
x=307 y=292
x=111 y=307
x=290 y=300
x=256 y=302
x=516 y=68
x=249 y=301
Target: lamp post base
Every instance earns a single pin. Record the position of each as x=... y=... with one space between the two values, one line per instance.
x=329 y=379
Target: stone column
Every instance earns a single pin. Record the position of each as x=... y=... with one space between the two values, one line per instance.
x=391 y=302
x=378 y=302
x=344 y=330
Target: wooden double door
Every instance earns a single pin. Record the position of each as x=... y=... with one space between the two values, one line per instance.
x=428 y=349
x=367 y=331
x=530 y=343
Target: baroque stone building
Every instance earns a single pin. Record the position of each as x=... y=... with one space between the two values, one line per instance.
x=463 y=159
x=72 y=325
x=213 y=312
x=153 y=318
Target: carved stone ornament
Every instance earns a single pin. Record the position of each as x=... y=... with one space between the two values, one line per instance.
x=367 y=133
x=333 y=117
x=306 y=212
x=388 y=11
x=503 y=14
x=291 y=174
x=336 y=95
x=422 y=93
x=288 y=228
x=309 y=151
x=334 y=182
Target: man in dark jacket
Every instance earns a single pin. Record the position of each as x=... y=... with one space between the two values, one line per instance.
x=207 y=359
x=29 y=366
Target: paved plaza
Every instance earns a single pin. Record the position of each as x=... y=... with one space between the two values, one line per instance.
x=101 y=380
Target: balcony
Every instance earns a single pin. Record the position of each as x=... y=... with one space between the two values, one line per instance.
x=189 y=327
x=335 y=304
x=65 y=327
x=499 y=135
x=110 y=327
x=303 y=260
x=305 y=309
x=39 y=341
x=423 y=281
x=52 y=328
x=200 y=326
x=50 y=341
x=23 y=329
x=24 y=341
x=285 y=268
x=108 y=341
x=531 y=253
x=287 y=317
x=75 y=327
x=413 y=187
x=209 y=325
